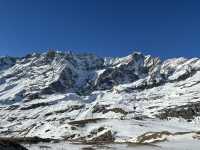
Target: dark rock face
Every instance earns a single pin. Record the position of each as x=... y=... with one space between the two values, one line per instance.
x=6 y=144
x=115 y=76
x=104 y=109
x=91 y=62
x=87 y=148
x=106 y=137
x=188 y=111
x=84 y=122
x=69 y=109
x=33 y=106
x=125 y=73
x=6 y=62
x=154 y=136
x=66 y=81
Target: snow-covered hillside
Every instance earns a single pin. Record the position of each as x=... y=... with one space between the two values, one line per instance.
x=85 y=98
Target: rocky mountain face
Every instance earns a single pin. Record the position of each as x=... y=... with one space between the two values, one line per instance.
x=6 y=62
x=86 y=98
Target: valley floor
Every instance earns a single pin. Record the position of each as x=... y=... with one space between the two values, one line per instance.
x=179 y=144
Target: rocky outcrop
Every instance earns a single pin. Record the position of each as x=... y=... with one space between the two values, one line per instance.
x=6 y=144
x=153 y=137
x=101 y=137
x=128 y=71
x=188 y=111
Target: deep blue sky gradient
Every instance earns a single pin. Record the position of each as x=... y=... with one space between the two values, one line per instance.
x=165 y=28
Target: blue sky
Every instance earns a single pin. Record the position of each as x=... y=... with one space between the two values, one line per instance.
x=165 y=28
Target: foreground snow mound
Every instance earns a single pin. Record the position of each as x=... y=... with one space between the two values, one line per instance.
x=85 y=98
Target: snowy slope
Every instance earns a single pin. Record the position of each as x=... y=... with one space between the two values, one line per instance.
x=81 y=97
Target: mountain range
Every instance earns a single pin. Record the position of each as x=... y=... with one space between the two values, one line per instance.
x=89 y=99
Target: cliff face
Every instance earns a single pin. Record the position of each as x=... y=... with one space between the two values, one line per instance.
x=84 y=97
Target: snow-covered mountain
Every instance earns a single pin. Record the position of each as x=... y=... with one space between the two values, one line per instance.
x=82 y=97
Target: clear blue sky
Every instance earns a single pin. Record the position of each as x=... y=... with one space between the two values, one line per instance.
x=166 y=28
